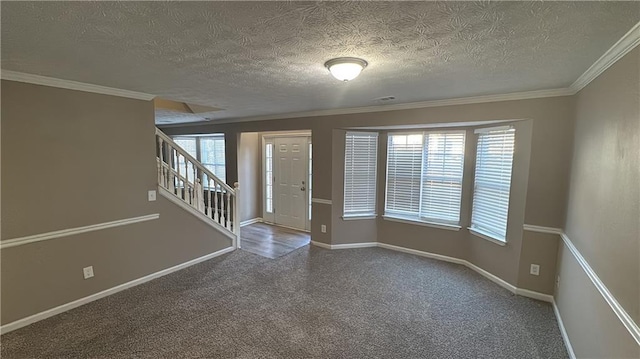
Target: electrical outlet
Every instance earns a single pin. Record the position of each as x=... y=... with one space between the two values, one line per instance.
x=323 y=228
x=151 y=195
x=535 y=269
x=88 y=272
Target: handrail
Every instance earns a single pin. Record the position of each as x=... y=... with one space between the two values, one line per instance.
x=196 y=163
x=182 y=175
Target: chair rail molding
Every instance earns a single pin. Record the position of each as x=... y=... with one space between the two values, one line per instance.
x=73 y=231
x=542 y=229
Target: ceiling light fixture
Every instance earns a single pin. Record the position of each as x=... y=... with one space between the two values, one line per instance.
x=345 y=68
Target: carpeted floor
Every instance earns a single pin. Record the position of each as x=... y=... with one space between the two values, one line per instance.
x=312 y=303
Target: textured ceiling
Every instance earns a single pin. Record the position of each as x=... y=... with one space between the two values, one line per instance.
x=261 y=58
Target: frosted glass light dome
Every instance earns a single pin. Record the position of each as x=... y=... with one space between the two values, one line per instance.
x=345 y=68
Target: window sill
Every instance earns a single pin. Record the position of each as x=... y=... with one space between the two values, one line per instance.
x=487 y=237
x=449 y=227
x=358 y=217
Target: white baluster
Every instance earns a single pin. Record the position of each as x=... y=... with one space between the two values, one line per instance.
x=216 y=214
x=228 y=209
x=197 y=188
x=209 y=196
x=171 y=180
x=236 y=215
x=223 y=211
x=181 y=195
x=160 y=162
x=198 y=198
x=187 y=193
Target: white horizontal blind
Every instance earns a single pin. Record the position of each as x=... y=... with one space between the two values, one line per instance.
x=189 y=144
x=212 y=155
x=404 y=168
x=492 y=183
x=442 y=170
x=209 y=150
x=361 y=155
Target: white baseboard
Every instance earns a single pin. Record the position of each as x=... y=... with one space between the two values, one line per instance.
x=563 y=331
x=287 y=227
x=345 y=246
x=76 y=303
x=534 y=295
x=495 y=279
x=251 y=221
x=321 y=245
x=354 y=245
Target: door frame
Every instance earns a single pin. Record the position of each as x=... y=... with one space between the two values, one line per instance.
x=270 y=138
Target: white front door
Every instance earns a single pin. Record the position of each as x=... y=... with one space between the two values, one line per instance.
x=290 y=180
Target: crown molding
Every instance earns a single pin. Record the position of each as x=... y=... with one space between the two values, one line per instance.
x=395 y=107
x=627 y=43
x=72 y=85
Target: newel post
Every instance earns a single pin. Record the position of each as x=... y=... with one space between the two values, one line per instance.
x=236 y=214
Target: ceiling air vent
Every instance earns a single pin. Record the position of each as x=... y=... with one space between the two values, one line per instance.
x=385 y=99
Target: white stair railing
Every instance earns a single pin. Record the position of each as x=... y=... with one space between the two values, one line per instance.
x=186 y=178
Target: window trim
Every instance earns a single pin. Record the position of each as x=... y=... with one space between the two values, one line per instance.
x=358 y=217
x=419 y=222
x=487 y=236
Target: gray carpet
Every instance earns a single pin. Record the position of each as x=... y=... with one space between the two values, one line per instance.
x=312 y=303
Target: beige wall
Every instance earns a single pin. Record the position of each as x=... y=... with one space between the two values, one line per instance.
x=74 y=159
x=90 y=152
x=249 y=175
x=603 y=210
x=543 y=158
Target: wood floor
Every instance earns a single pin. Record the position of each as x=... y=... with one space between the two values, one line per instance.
x=272 y=241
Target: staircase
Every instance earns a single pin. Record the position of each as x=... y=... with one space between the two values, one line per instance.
x=185 y=181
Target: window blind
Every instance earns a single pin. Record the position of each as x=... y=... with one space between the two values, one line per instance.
x=209 y=150
x=492 y=183
x=424 y=176
x=404 y=158
x=360 y=165
x=442 y=170
x=212 y=155
x=189 y=145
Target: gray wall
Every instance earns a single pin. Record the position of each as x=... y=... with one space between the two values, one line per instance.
x=541 y=181
x=249 y=175
x=603 y=212
x=74 y=159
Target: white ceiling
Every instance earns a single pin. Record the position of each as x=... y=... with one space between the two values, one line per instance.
x=264 y=58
